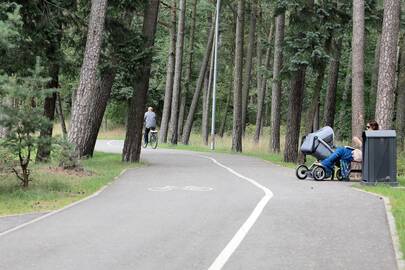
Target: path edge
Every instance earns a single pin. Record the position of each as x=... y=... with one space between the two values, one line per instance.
x=392 y=227
x=51 y=213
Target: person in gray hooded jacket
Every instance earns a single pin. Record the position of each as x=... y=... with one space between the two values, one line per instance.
x=150 y=123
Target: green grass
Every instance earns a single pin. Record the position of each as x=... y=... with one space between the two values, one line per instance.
x=52 y=189
x=274 y=158
x=397 y=200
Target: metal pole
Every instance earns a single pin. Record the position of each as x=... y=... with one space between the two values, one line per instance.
x=214 y=83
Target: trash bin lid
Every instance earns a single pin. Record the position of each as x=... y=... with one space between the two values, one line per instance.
x=380 y=133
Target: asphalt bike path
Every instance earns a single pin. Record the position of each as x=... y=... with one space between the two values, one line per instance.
x=187 y=211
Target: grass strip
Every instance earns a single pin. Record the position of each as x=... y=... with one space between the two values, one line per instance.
x=53 y=188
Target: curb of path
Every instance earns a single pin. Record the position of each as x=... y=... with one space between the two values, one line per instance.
x=392 y=226
x=98 y=192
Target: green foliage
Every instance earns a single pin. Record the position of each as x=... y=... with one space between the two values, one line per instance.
x=22 y=118
x=6 y=161
x=10 y=24
x=65 y=154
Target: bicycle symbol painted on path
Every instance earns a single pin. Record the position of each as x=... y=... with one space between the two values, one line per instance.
x=186 y=188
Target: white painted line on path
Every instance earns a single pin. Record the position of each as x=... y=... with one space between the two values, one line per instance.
x=230 y=248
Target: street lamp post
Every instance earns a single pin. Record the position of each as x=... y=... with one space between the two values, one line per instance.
x=214 y=83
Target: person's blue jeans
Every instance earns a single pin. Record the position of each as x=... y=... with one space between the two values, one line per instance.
x=341 y=153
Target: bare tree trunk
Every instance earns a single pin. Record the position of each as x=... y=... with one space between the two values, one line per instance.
x=45 y=145
x=206 y=101
x=313 y=108
x=330 y=98
x=259 y=56
x=174 y=116
x=358 y=69
x=102 y=95
x=346 y=97
x=266 y=114
x=294 y=115
x=169 y=77
x=316 y=118
x=59 y=111
x=133 y=137
x=311 y=114
x=237 y=83
x=388 y=54
x=189 y=70
x=262 y=91
x=226 y=111
x=79 y=132
x=276 y=92
x=3 y=130
x=249 y=64
x=401 y=99
x=374 y=80
x=193 y=107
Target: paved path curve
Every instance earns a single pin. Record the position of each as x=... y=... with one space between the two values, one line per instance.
x=183 y=210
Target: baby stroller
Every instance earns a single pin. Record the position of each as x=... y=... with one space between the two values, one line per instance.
x=319 y=145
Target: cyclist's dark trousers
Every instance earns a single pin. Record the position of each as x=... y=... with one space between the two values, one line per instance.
x=146 y=135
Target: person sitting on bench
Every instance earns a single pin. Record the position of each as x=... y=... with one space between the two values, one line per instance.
x=346 y=155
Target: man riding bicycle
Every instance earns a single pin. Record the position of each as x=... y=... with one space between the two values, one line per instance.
x=150 y=123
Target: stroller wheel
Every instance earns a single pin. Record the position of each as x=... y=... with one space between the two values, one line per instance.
x=319 y=173
x=301 y=172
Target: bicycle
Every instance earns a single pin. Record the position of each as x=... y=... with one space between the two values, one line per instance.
x=153 y=139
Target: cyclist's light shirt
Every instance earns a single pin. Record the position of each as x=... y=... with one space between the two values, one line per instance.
x=150 y=119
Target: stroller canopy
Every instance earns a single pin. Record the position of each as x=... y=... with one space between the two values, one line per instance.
x=319 y=143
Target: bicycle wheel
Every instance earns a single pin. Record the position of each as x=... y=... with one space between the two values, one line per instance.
x=154 y=140
x=145 y=144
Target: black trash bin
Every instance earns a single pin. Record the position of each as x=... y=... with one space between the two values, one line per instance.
x=379 y=157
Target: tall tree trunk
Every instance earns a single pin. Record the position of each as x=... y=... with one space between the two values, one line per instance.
x=189 y=70
x=7 y=102
x=206 y=101
x=164 y=127
x=346 y=97
x=401 y=98
x=311 y=114
x=79 y=132
x=358 y=69
x=316 y=117
x=133 y=137
x=222 y=126
x=294 y=115
x=200 y=81
x=174 y=116
x=330 y=98
x=259 y=56
x=313 y=109
x=249 y=64
x=44 y=147
x=261 y=95
x=276 y=91
x=101 y=97
x=388 y=55
x=237 y=83
x=374 y=80
x=52 y=53
x=59 y=111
